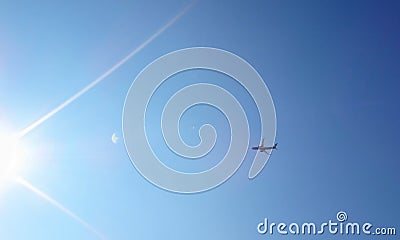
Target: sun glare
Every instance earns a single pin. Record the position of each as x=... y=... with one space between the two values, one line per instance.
x=11 y=154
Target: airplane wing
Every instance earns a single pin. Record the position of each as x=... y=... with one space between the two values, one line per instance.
x=266 y=152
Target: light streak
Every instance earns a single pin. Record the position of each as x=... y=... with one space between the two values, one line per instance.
x=106 y=74
x=58 y=205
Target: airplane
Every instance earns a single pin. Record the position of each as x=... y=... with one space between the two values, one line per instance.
x=262 y=148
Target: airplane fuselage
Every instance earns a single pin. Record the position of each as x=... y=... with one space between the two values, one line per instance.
x=263 y=149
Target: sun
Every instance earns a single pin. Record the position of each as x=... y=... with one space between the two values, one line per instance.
x=11 y=154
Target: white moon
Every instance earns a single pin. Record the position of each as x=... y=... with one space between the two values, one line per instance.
x=114 y=138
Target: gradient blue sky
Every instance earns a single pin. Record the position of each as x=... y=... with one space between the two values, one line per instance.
x=332 y=68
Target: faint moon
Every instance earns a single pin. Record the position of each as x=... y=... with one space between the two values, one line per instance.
x=114 y=138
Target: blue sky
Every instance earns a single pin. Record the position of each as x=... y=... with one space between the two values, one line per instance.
x=332 y=68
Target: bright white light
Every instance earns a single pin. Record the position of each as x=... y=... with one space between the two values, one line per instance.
x=11 y=154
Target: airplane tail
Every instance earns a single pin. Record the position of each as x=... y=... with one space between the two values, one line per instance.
x=275 y=146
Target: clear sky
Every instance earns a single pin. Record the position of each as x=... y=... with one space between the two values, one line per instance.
x=333 y=70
